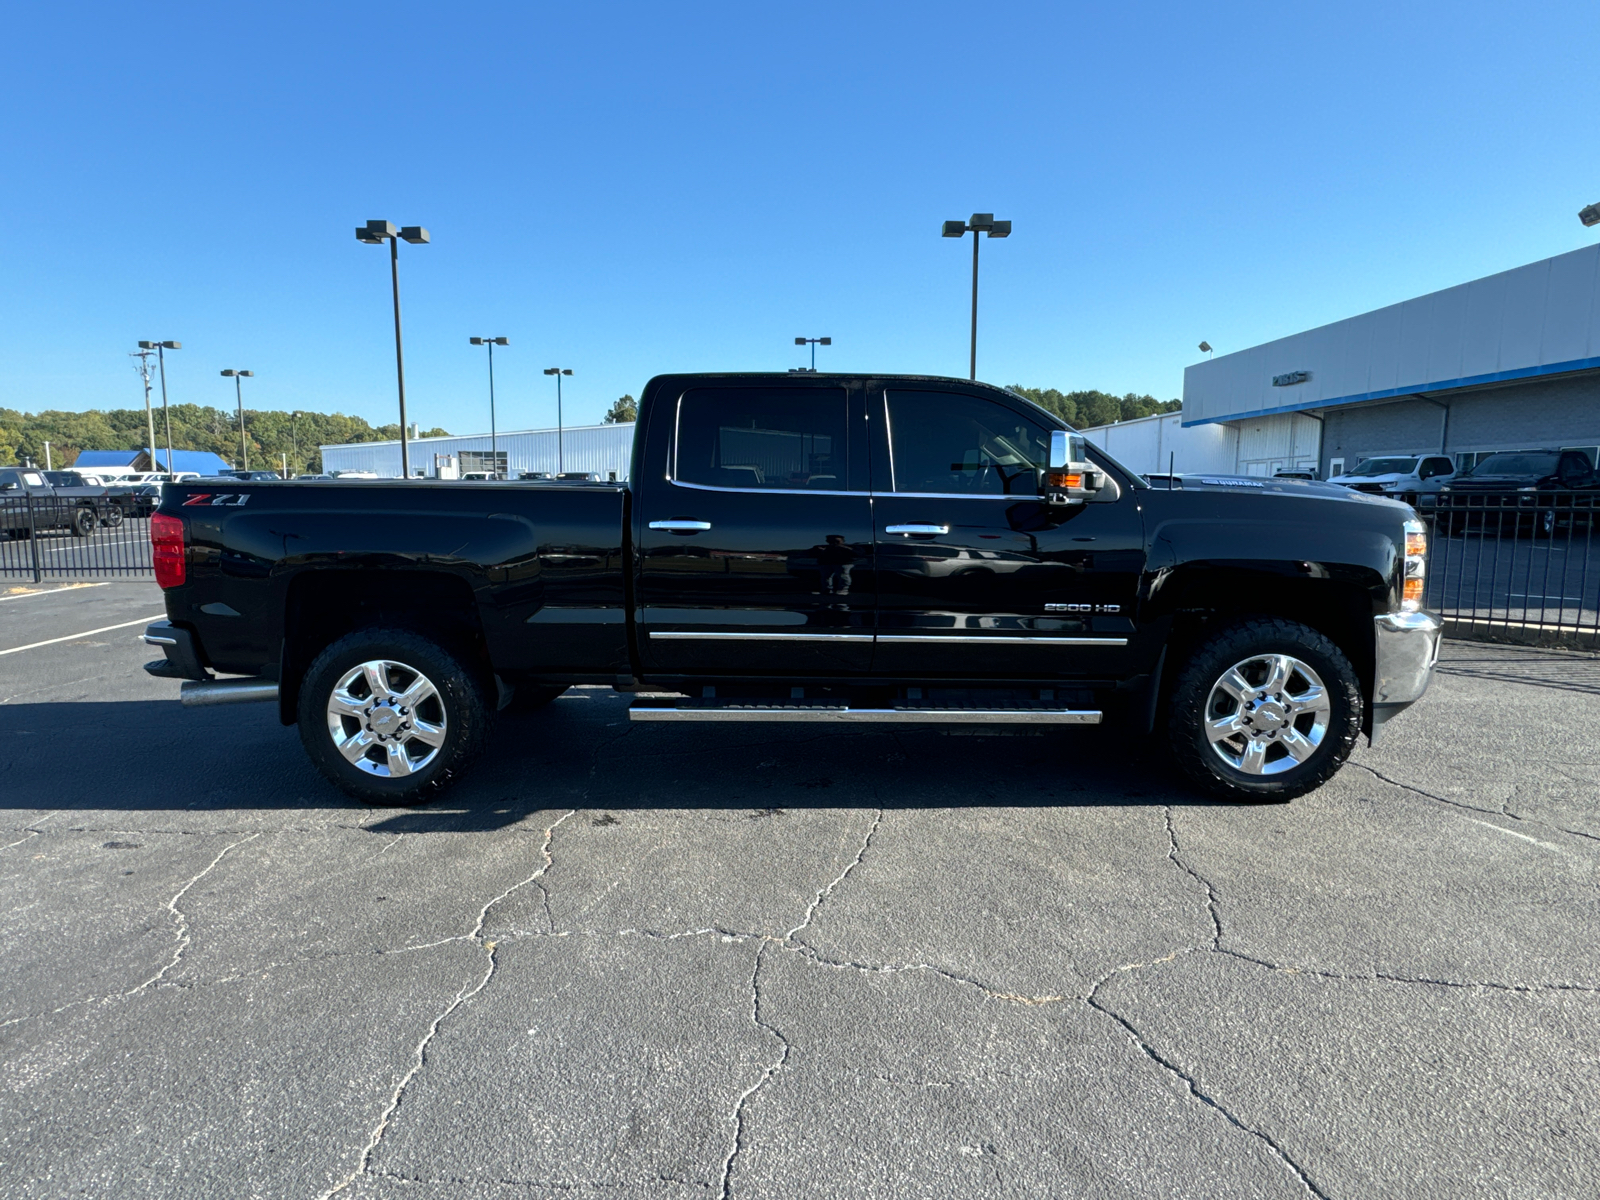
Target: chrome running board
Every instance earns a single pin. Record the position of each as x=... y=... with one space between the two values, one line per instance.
x=901 y=716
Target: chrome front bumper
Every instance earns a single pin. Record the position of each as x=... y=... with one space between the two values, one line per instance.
x=1406 y=647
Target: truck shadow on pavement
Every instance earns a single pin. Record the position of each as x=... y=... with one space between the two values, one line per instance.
x=580 y=753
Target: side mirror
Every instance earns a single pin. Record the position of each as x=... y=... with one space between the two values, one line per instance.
x=1071 y=477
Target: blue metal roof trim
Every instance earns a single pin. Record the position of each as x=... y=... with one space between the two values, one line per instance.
x=202 y=461
x=1561 y=368
x=106 y=458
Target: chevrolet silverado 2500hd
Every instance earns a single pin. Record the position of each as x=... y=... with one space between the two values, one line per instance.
x=829 y=548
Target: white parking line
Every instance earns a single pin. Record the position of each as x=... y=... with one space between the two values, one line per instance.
x=1515 y=834
x=22 y=593
x=161 y=616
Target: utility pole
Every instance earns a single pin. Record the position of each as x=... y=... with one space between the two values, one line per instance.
x=161 y=358
x=143 y=355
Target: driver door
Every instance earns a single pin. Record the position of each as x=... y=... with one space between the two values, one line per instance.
x=978 y=577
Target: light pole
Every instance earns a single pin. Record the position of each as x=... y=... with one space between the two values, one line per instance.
x=375 y=233
x=294 y=439
x=166 y=417
x=980 y=223
x=561 y=456
x=813 y=343
x=143 y=354
x=494 y=444
x=1590 y=215
x=238 y=394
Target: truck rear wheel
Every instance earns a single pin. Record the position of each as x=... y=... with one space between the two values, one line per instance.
x=391 y=717
x=1264 y=711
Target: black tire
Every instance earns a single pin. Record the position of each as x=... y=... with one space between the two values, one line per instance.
x=461 y=698
x=112 y=517
x=83 y=522
x=1200 y=680
x=527 y=697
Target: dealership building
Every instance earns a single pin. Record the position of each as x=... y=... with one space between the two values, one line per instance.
x=1507 y=362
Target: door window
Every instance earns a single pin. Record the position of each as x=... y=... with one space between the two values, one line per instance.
x=1434 y=466
x=945 y=443
x=763 y=439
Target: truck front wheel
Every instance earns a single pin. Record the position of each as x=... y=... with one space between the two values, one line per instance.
x=391 y=717
x=1264 y=711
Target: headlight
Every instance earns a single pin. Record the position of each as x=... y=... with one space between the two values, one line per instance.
x=1416 y=565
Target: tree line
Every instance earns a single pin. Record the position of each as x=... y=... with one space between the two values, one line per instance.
x=1082 y=410
x=268 y=434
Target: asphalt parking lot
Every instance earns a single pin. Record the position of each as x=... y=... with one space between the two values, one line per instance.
x=664 y=962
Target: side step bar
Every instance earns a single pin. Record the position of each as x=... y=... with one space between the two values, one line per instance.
x=902 y=716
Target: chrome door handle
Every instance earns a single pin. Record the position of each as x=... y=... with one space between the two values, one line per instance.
x=923 y=529
x=681 y=526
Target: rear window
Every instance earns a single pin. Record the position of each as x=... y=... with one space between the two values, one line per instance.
x=763 y=439
x=1517 y=464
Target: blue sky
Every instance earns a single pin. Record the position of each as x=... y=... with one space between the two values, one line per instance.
x=630 y=189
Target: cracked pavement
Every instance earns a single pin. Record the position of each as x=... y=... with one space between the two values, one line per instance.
x=660 y=962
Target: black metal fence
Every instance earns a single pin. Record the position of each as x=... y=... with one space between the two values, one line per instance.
x=71 y=538
x=1514 y=565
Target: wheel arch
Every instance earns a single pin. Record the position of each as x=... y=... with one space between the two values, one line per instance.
x=1201 y=598
x=322 y=606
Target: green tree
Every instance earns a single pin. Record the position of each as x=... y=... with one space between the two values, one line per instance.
x=625 y=409
x=1085 y=409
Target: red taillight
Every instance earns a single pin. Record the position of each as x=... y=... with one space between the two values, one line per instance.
x=166 y=550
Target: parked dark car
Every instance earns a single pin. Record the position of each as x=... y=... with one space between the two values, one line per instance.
x=823 y=548
x=1539 y=491
x=29 y=503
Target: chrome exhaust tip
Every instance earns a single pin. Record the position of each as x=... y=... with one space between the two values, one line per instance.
x=227 y=691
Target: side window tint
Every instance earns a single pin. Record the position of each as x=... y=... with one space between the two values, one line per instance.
x=963 y=445
x=760 y=438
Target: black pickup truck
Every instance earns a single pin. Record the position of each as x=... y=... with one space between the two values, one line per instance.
x=825 y=548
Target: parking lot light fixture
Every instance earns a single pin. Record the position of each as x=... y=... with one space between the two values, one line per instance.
x=561 y=455
x=979 y=223
x=494 y=444
x=238 y=395
x=375 y=233
x=813 y=343
x=1590 y=215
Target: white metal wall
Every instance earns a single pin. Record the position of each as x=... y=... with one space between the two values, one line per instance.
x=1151 y=443
x=600 y=448
x=1279 y=443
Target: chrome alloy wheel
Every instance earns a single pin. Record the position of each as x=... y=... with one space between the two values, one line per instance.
x=386 y=718
x=1267 y=714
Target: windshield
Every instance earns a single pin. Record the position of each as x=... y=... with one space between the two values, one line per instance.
x=1516 y=464
x=1385 y=466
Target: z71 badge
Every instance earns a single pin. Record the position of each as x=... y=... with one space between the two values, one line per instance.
x=218 y=499
x=1083 y=608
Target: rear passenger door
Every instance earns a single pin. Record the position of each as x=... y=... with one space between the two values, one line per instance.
x=755 y=548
